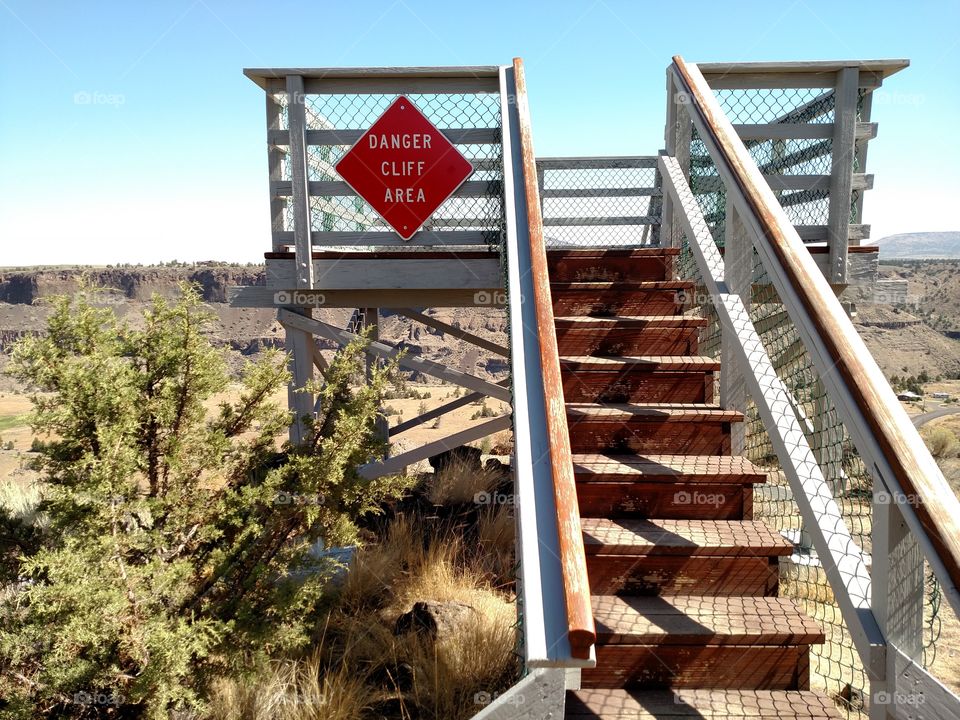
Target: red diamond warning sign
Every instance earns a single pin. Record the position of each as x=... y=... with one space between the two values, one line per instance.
x=404 y=167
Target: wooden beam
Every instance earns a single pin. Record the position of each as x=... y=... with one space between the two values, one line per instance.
x=337 y=188
x=455 y=332
x=341 y=136
x=605 y=220
x=841 y=172
x=396 y=463
x=376 y=238
x=777 y=183
x=441 y=410
x=597 y=162
x=252 y=296
x=395 y=274
x=298 y=343
x=799 y=131
x=298 y=168
x=427 y=367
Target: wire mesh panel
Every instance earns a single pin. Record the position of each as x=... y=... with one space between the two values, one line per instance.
x=599 y=202
x=471 y=121
x=836 y=667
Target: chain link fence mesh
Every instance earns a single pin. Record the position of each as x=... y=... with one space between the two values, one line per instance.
x=836 y=668
x=599 y=202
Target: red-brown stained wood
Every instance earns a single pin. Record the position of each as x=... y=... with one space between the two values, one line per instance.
x=690 y=666
x=652 y=575
x=666 y=468
x=660 y=500
x=610 y=266
x=605 y=299
x=638 y=379
x=712 y=704
x=915 y=470
x=684 y=430
x=702 y=538
x=581 y=632
x=664 y=335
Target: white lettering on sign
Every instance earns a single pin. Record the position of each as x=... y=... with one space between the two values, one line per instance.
x=402 y=168
x=397 y=141
x=404 y=195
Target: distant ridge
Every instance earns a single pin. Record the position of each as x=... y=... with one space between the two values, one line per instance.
x=920 y=246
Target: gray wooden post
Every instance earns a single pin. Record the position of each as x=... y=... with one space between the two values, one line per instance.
x=860 y=156
x=841 y=172
x=664 y=235
x=301 y=195
x=738 y=273
x=897 y=592
x=299 y=344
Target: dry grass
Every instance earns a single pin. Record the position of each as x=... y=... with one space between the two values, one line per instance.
x=460 y=483
x=361 y=669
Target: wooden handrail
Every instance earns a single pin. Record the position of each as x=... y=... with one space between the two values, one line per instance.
x=902 y=449
x=576 y=587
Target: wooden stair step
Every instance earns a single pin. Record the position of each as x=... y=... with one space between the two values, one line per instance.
x=682 y=641
x=607 y=264
x=652 y=412
x=690 y=557
x=696 y=620
x=619 y=704
x=660 y=297
x=638 y=379
x=723 y=469
x=649 y=363
x=629 y=335
x=674 y=428
x=689 y=538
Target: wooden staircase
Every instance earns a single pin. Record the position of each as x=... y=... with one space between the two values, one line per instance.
x=684 y=581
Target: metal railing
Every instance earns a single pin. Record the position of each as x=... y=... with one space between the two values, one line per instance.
x=915 y=514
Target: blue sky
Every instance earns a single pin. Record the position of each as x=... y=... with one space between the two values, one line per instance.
x=167 y=158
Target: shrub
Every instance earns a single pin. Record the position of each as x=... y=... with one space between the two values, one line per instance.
x=169 y=558
x=941 y=441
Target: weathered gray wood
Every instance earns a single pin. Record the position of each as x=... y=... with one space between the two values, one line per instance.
x=818 y=233
x=537 y=696
x=738 y=275
x=337 y=188
x=860 y=154
x=441 y=410
x=299 y=345
x=413 y=274
x=598 y=162
x=268 y=297
x=915 y=694
x=860 y=181
x=408 y=85
x=398 y=462
x=799 y=131
x=348 y=136
x=427 y=367
x=298 y=167
x=841 y=172
x=599 y=221
x=455 y=332
x=600 y=192
x=374 y=238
